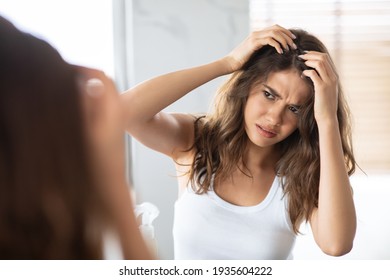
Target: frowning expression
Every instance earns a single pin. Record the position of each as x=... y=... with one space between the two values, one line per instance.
x=272 y=109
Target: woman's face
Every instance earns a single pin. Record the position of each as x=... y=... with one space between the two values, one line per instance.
x=272 y=109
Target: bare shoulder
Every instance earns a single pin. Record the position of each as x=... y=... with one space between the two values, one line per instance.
x=183 y=165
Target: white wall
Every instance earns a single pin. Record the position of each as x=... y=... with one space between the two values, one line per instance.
x=372 y=241
x=169 y=35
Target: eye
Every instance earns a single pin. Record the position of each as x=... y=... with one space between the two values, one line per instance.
x=268 y=95
x=294 y=109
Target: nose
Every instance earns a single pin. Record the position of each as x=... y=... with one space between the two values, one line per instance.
x=275 y=115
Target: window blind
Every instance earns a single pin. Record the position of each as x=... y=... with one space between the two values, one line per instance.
x=357 y=34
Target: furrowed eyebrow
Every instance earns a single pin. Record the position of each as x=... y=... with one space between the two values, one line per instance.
x=274 y=92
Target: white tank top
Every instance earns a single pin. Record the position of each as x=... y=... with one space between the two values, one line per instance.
x=207 y=227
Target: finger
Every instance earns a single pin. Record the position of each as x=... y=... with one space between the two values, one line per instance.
x=313 y=75
x=322 y=63
x=273 y=43
x=282 y=38
x=290 y=41
x=258 y=42
x=278 y=36
x=285 y=31
x=94 y=87
x=93 y=100
x=87 y=74
x=313 y=55
x=319 y=67
x=288 y=37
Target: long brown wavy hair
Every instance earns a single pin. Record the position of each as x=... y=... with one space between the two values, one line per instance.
x=220 y=138
x=49 y=206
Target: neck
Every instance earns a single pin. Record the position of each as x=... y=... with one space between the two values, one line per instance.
x=256 y=158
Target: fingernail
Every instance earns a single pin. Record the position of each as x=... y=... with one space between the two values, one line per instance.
x=94 y=87
x=294 y=46
x=293 y=36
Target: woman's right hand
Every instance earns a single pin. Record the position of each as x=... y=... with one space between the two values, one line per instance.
x=275 y=36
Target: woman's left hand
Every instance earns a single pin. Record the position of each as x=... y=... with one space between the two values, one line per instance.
x=325 y=82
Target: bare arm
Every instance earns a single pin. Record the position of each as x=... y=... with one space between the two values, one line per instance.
x=172 y=133
x=163 y=132
x=104 y=126
x=334 y=222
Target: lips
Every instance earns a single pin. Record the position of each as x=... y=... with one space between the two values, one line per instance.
x=266 y=132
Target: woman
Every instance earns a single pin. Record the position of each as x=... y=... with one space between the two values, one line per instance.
x=275 y=152
x=62 y=177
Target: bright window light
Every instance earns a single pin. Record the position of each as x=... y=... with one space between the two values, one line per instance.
x=80 y=30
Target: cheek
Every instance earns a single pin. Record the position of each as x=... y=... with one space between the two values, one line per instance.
x=291 y=124
x=254 y=109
